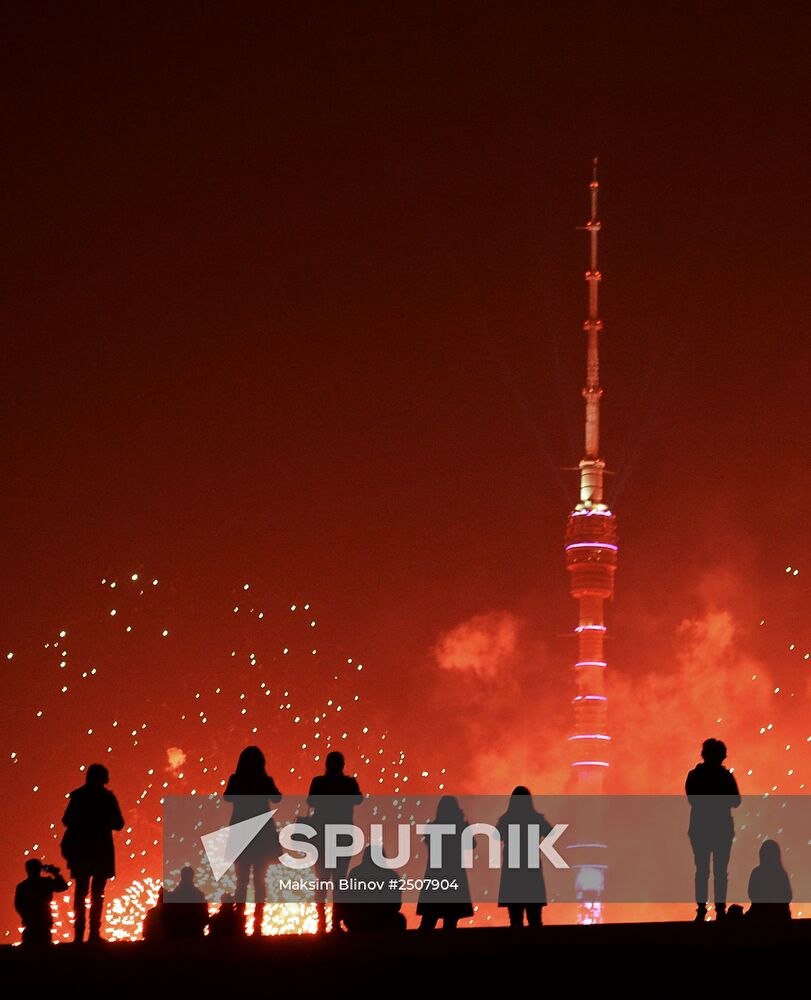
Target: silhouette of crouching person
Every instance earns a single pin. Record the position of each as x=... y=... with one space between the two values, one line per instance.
x=769 y=887
x=32 y=900
x=227 y=922
x=87 y=845
x=369 y=907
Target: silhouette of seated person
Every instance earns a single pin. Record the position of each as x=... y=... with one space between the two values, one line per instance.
x=154 y=928
x=522 y=888
x=372 y=909
x=712 y=793
x=769 y=887
x=185 y=911
x=32 y=900
x=228 y=921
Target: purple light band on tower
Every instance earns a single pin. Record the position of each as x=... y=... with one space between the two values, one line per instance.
x=590 y=763
x=590 y=736
x=593 y=545
x=591 y=663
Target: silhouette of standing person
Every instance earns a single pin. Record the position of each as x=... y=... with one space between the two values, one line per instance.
x=449 y=904
x=769 y=887
x=32 y=900
x=712 y=793
x=332 y=798
x=522 y=888
x=251 y=790
x=87 y=846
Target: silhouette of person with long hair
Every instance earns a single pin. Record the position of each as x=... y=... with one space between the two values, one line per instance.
x=32 y=900
x=87 y=846
x=769 y=887
x=332 y=798
x=251 y=790
x=373 y=909
x=185 y=911
x=450 y=905
x=713 y=793
x=522 y=888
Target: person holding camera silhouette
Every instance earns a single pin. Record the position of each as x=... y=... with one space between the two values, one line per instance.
x=32 y=900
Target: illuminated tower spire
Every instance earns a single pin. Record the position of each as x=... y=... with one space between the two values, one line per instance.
x=591 y=467
x=591 y=558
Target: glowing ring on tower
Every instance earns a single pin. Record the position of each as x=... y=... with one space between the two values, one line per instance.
x=593 y=545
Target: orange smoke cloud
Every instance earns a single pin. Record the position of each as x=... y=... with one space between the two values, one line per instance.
x=175 y=758
x=483 y=645
x=690 y=678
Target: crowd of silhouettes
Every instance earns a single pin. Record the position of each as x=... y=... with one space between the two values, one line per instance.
x=93 y=814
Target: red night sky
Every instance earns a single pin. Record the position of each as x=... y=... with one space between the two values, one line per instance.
x=293 y=298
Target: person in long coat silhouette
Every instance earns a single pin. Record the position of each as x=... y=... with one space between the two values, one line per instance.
x=87 y=845
x=251 y=790
x=451 y=904
x=522 y=888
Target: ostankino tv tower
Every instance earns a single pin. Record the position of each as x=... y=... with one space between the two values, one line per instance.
x=591 y=559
